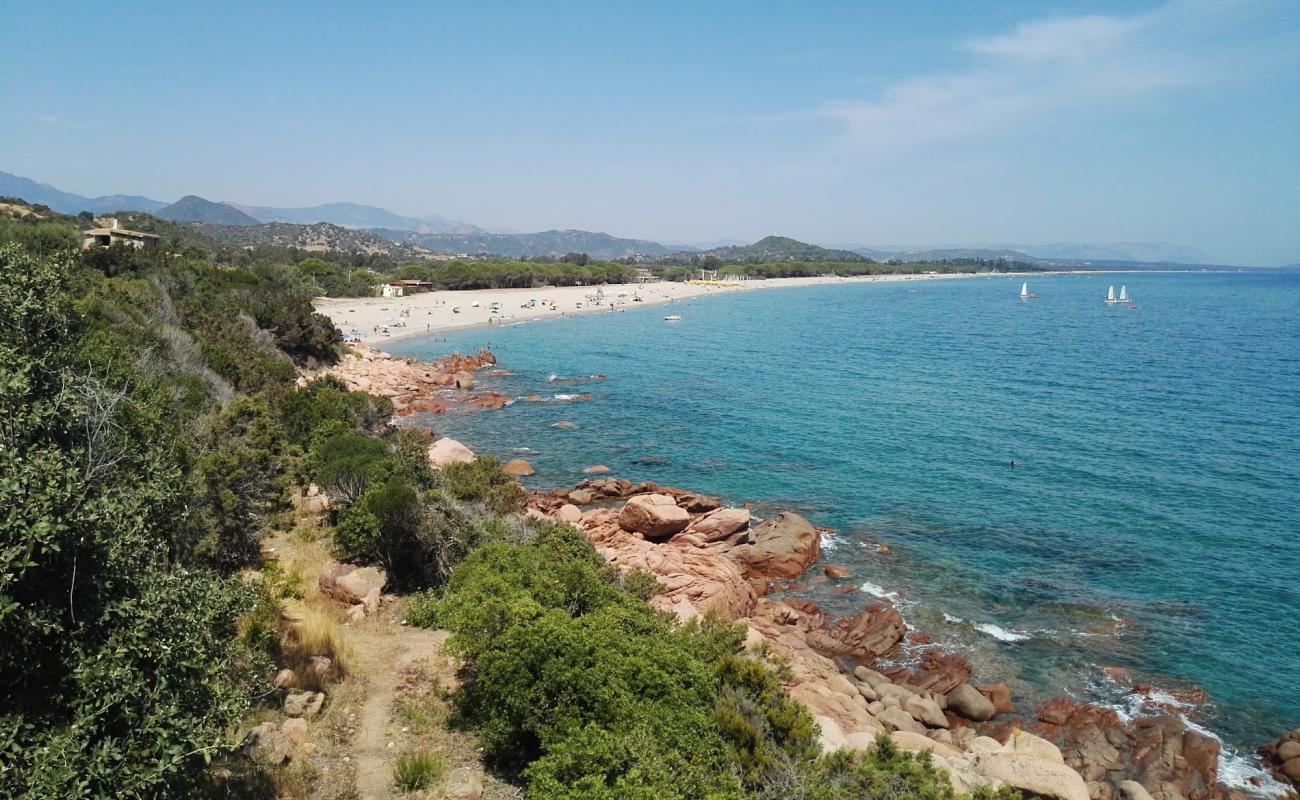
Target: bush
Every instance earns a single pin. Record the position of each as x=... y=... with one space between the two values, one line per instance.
x=579 y=686
x=342 y=464
x=416 y=771
x=484 y=481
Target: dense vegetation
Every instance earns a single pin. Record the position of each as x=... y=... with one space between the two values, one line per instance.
x=146 y=411
x=152 y=433
x=583 y=691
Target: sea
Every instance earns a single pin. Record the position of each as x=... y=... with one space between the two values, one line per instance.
x=1148 y=530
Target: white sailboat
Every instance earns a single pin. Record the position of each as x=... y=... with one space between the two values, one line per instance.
x=1024 y=291
x=1123 y=294
x=1110 y=295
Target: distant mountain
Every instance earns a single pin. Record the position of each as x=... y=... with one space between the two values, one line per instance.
x=69 y=203
x=352 y=215
x=192 y=208
x=318 y=236
x=775 y=249
x=948 y=254
x=520 y=245
x=1119 y=251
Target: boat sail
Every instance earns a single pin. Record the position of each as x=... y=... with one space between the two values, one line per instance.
x=1123 y=294
x=1024 y=291
x=1110 y=295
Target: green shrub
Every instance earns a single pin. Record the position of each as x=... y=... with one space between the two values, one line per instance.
x=484 y=481
x=342 y=464
x=416 y=771
x=307 y=411
x=641 y=584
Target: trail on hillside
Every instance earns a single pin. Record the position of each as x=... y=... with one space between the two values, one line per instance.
x=383 y=654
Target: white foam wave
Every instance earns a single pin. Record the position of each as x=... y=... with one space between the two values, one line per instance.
x=1000 y=633
x=951 y=620
x=877 y=590
x=829 y=543
x=1238 y=771
x=566 y=397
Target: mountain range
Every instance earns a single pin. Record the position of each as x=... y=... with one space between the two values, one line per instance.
x=600 y=246
x=442 y=235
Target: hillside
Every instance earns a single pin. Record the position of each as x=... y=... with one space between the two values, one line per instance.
x=600 y=246
x=353 y=215
x=320 y=236
x=69 y=203
x=777 y=249
x=192 y=208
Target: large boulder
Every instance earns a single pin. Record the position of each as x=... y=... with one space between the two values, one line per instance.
x=970 y=703
x=449 y=451
x=783 y=548
x=896 y=719
x=519 y=468
x=1028 y=773
x=569 y=513
x=267 y=746
x=349 y=583
x=923 y=709
x=655 y=516
x=720 y=524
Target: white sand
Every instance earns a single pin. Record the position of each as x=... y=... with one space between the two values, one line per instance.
x=436 y=311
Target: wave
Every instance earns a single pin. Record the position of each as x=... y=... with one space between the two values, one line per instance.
x=996 y=631
x=1000 y=633
x=1236 y=770
x=876 y=590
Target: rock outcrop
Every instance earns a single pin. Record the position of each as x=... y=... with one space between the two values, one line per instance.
x=655 y=516
x=413 y=386
x=1283 y=758
x=783 y=547
x=449 y=451
x=349 y=583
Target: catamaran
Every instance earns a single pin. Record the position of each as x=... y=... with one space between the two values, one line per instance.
x=1024 y=291
x=1110 y=295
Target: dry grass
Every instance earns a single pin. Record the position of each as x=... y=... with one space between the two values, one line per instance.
x=316 y=633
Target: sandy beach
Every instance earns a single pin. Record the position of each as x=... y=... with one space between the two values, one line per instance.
x=430 y=312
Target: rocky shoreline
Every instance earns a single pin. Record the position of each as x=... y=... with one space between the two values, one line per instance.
x=713 y=559
x=413 y=386
x=709 y=558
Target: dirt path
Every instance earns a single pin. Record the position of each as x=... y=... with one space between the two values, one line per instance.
x=384 y=654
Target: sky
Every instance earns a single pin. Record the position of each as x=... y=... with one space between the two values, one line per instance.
x=833 y=122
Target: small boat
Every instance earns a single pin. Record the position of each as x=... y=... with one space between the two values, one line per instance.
x=673 y=318
x=1025 y=293
x=1123 y=294
x=1110 y=296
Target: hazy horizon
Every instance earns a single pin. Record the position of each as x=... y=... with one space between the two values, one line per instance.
x=1114 y=122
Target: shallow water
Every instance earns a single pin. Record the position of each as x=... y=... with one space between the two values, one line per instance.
x=1150 y=522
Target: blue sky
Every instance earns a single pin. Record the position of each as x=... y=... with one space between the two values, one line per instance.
x=836 y=122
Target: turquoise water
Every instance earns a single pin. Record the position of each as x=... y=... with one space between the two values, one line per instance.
x=1152 y=519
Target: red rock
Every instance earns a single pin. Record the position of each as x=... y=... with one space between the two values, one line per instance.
x=999 y=695
x=836 y=573
x=937 y=672
x=1057 y=711
x=655 y=516
x=518 y=467
x=718 y=525
x=782 y=547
